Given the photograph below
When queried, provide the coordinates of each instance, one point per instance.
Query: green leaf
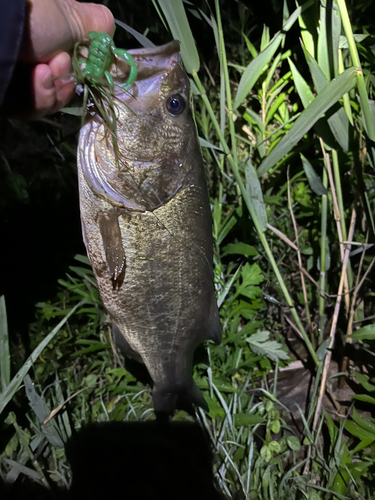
(363, 380)
(322, 350)
(214, 407)
(16, 381)
(274, 446)
(251, 275)
(307, 97)
(358, 431)
(328, 39)
(223, 386)
(271, 349)
(205, 144)
(365, 333)
(22, 469)
(229, 222)
(255, 69)
(275, 426)
(4, 346)
(37, 405)
(266, 453)
(365, 398)
(366, 424)
(178, 23)
(227, 287)
(265, 40)
(240, 249)
(243, 419)
(258, 65)
(83, 259)
(238, 454)
(254, 191)
(293, 443)
(144, 41)
(338, 121)
(302, 86)
(314, 180)
(332, 92)
(250, 47)
(332, 429)
(308, 22)
(344, 41)
(362, 445)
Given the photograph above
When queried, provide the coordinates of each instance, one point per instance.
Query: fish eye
(175, 104)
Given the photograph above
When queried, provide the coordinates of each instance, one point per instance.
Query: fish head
(158, 118)
(155, 132)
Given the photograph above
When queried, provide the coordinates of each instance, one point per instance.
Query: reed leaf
(258, 65)
(144, 41)
(313, 178)
(254, 190)
(307, 97)
(178, 23)
(4, 346)
(324, 101)
(338, 121)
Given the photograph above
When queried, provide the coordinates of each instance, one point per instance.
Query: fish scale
(147, 226)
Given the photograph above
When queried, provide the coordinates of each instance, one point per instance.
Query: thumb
(93, 17)
(54, 26)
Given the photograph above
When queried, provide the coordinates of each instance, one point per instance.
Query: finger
(43, 88)
(55, 26)
(61, 68)
(52, 84)
(93, 17)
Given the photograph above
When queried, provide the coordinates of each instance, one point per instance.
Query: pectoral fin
(114, 250)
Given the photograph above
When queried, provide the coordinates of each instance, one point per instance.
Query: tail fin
(166, 400)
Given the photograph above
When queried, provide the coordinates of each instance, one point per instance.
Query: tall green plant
(331, 121)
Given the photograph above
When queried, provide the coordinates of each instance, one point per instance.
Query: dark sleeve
(12, 20)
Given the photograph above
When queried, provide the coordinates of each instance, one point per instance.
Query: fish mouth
(164, 57)
(154, 60)
(153, 64)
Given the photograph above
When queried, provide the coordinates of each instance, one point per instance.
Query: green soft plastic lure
(95, 82)
(101, 50)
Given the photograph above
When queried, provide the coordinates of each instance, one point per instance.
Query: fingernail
(48, 82)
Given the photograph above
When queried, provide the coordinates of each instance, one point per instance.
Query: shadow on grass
(133, 460)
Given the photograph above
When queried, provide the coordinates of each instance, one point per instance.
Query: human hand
(52, 28)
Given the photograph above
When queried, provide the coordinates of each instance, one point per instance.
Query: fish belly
(165, 306)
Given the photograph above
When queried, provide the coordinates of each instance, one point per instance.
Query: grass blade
(329, 96)
(257, 65)
(144, 41)
(314, 180)
(4, 346)
(255, 69)
(14, 385)
(307, 97)
(308, 22)
(227, 287)
(255, 194)
(338, 121)
(369, 125)
(328, 40)
(178, 23)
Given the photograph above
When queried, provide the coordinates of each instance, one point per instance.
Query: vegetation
(286, 117)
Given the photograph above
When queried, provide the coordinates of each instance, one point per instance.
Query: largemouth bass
(147, 224)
